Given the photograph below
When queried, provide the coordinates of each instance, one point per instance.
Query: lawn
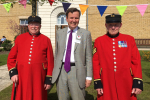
(3, 59)
(91, 93)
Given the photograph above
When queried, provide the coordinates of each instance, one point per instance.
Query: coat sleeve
(89, 56)
(11, 60)
(50, 60)
(96, 67)
(136, 66)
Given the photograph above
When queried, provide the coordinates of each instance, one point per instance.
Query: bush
(15, 37)
(7, 45)
(145, 55)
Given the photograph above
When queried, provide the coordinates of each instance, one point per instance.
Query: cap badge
(33, 16)
(112, 15)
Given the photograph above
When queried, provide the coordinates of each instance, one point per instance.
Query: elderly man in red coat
(116, 64)
(30, 63)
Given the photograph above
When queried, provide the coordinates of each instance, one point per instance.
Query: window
(61, 19)
(23, 22)
(23, 25)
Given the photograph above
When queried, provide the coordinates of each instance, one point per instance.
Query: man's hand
(88, 83)
(136, 91)
(99, 91)
(47, 86)
(15, 78)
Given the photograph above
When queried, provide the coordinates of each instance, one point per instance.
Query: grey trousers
(68, 81)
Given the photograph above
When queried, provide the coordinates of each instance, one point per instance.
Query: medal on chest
(122, 44)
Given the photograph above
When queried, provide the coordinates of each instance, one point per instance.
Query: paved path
(4, 77)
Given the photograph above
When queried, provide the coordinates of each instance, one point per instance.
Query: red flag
(51, 2)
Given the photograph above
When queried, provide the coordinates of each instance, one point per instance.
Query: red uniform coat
(32, 59)
(116, 63)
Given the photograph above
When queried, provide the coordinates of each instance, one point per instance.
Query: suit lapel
(78, 38)
(63, 37)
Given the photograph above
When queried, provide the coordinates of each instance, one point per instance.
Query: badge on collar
(78, 37)
(122, 44)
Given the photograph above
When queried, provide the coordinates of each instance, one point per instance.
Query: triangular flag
(66, 6)
(142, 8)
(83, 8)
(101, 9)
(121, 9)
(51, 2)
(7, 6)
(23, 2)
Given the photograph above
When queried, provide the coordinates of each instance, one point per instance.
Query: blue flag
(101, 9)
(66, 6)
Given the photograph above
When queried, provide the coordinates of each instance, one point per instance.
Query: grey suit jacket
(82, 54)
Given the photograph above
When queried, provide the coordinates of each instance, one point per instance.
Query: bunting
(121, 9)
(23, 2)
(101, 9)
(83, 8)
(7, 6)
(142, 8)
(66, 6)
(51, 2)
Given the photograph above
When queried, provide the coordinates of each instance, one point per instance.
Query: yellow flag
(7, 6)
(83, 8)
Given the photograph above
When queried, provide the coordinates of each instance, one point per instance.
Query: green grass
(3, 59)
(6, 93)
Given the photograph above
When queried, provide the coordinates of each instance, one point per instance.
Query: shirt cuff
(88, 78)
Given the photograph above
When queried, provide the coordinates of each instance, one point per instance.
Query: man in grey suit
(73, 59)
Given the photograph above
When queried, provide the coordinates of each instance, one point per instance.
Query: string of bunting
(101, 8)
(83, 7)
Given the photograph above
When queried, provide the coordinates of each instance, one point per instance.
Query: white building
(53, 18)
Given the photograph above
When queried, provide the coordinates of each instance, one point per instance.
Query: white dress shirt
(74, 34)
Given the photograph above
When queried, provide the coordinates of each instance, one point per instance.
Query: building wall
(49, 17)
(16, 13)
(132, 21)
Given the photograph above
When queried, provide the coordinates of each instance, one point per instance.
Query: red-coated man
(30, 63)
(116, 64)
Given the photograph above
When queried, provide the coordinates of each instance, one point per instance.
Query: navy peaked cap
(113, 18)
(34, 19)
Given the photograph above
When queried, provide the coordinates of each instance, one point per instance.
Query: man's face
(73, 20)
(113, 28)
(34, 27)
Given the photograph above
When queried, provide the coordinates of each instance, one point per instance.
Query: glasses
(34, 24)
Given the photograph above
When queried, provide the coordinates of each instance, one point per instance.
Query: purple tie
(68, 53)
